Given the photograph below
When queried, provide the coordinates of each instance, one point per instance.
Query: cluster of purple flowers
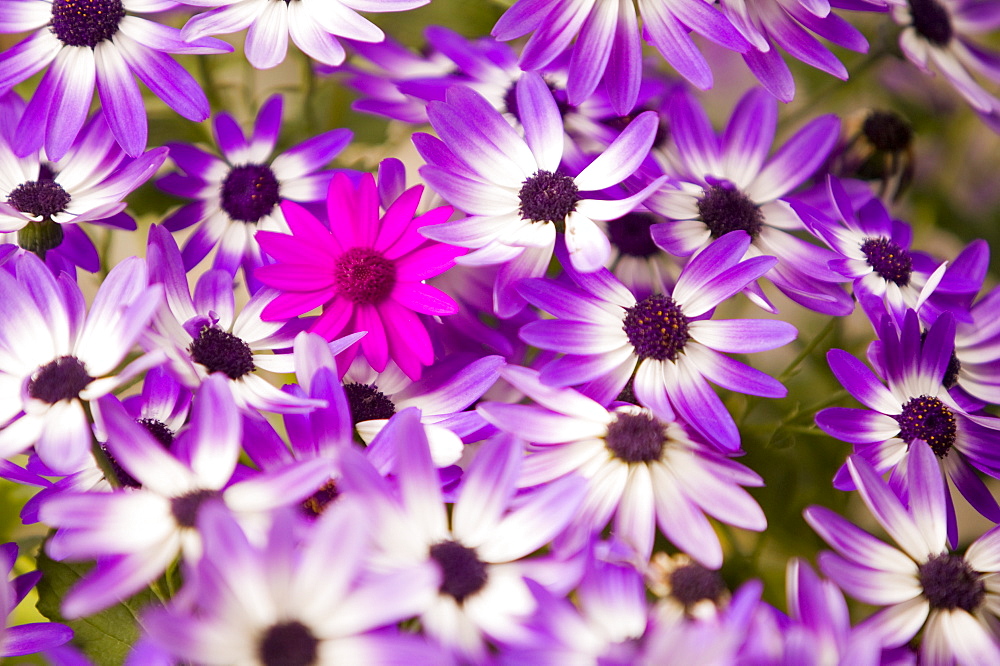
(497, 416)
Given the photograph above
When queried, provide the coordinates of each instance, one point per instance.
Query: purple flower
(96, 44)
(607, 41)
(668, 341)
(313, 26)
(725, 183)
(644, 470)
(480, 546)
(135, 534)
(240, 194)
(42, 200)
(512, 187)
(25, 638)
(936, 36)
(874, 251)
(914, 411)
(56, 357)
(293, 601)
(921, 584)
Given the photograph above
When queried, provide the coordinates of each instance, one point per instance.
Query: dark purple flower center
(61, 379)
(692, 583)
(887, 131)
(86, 22)
(185, 508)
(928, 419)
(41, 198)
(630, 234)
(725, 208)
(636, 438)
(656, 327)
(220, 351)
(931, 20)
(548, 197)
(249, 192)
(364, 276)
(367, 403)
(159, 430)
(949, 582)
(891, 262)
(314, 505)
(462, 572)
(289, 644)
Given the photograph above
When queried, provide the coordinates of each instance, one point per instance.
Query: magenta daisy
(367, 273)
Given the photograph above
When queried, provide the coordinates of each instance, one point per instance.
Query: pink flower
(365, 271)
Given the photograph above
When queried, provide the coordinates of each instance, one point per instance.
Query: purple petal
(591, 51)
(857, 426)
(536, 522)
(796, 160)
(854, 543)
(748, 136)
(872, 586)
(486, 490)
(543, 126)
(623, 156)
(74, 88)
(742, 335)
(890, 513)
(731, 374)
(861, 382)
(168, 80)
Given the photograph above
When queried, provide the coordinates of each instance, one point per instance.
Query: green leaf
(107, 637)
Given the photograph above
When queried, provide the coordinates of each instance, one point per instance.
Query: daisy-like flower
(668, 341)
(366, 271)
(241, 193)
(480, 544)
(96, 43)
(314, 25)
(874, 251)
(644, 470)
(25, 638)
(56, 358)
(607, 41)
(953, 597)
(936, 36)
(513, 190)
(43, 200)
(723, 183)
(914, 411)
(204, 335)
(280, 604)
(134, 534)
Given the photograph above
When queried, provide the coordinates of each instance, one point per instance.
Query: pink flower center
(364, 276)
